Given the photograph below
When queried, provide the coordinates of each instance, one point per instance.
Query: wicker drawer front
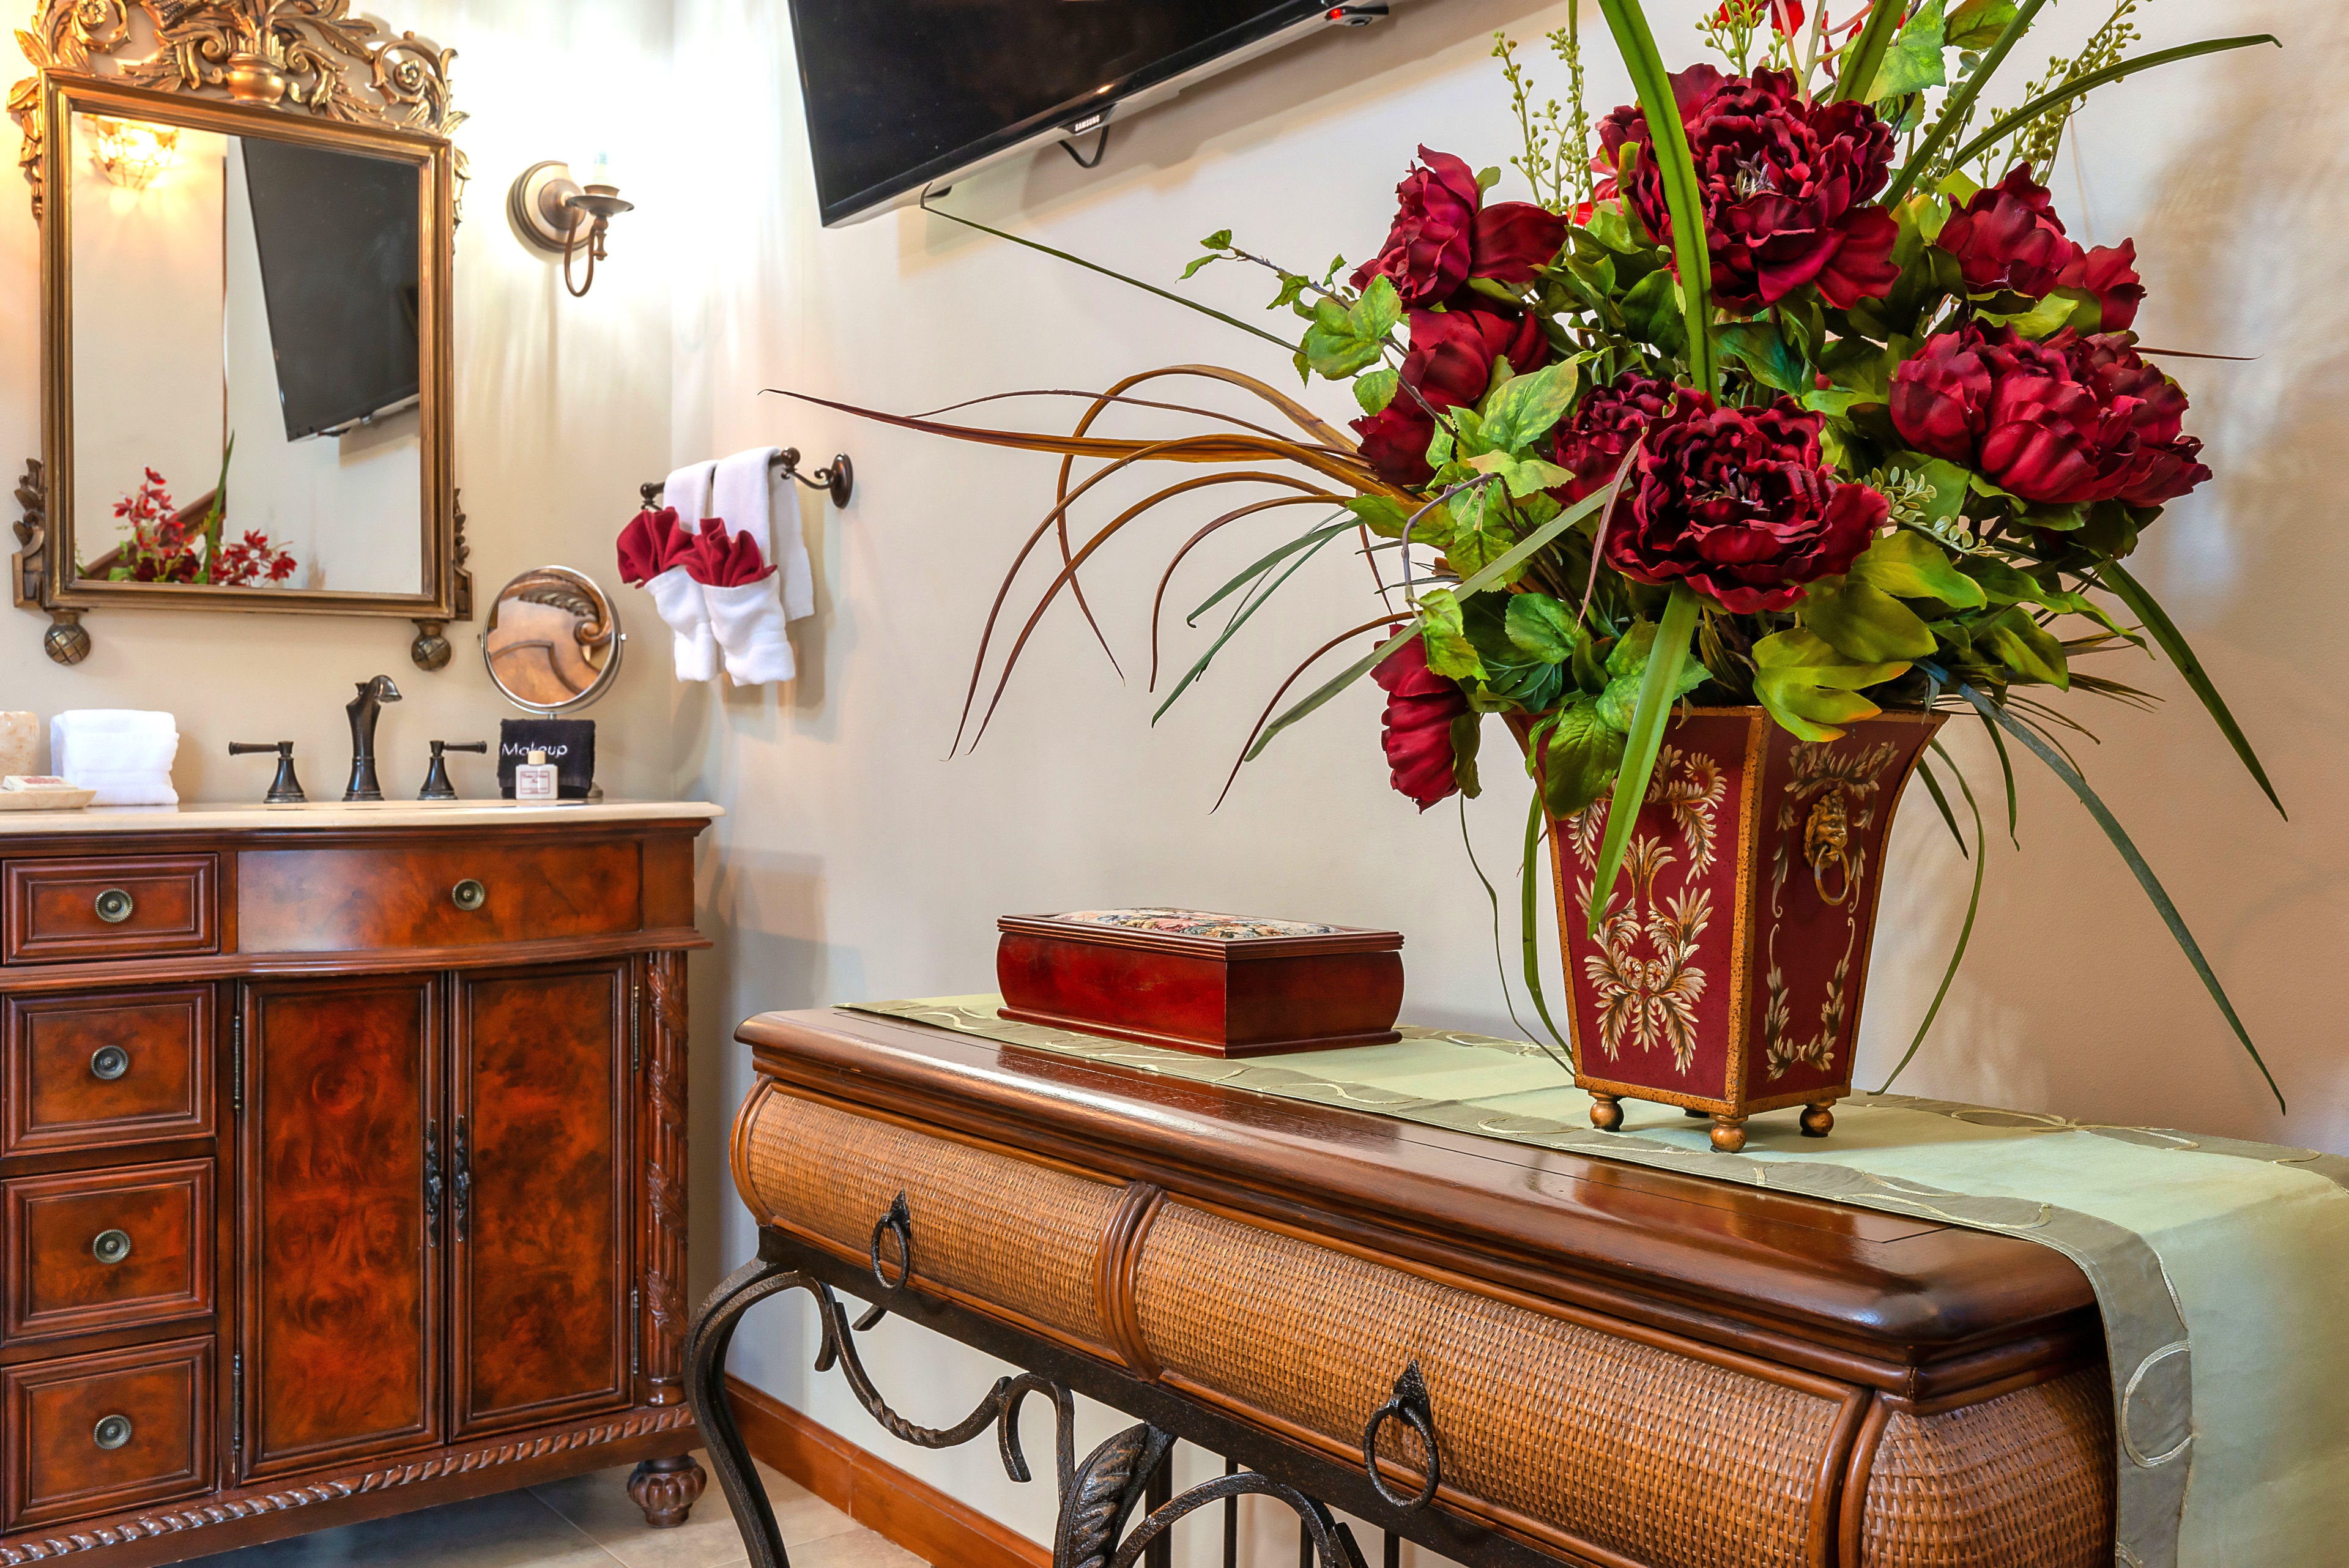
(2024, 1480)
(1661, 1458)
(1003, 1232)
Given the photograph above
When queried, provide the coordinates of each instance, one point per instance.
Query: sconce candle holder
(553, 212)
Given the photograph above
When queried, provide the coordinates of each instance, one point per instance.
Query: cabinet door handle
(108, 1063)
(433, 1185)
(110, 1247)
(111, 1432)
(114, 905)
(468, 894)
(464, 1181)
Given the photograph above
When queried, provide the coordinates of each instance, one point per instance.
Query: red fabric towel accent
(719, 560)
(651, 543)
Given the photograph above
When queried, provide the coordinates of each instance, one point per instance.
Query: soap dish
(21, 793)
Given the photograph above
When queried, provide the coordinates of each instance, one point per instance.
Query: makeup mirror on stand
(553, 642)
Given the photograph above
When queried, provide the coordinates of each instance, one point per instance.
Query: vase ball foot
(667, 1490)
(1606, 1112)
(1818, 1120)
(1729, 1134)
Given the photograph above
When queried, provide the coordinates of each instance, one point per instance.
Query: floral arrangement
(1788, 387)
(166, 546)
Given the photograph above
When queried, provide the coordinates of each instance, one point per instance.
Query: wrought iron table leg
(705, 1389)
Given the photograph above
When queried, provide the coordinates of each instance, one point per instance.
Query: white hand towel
(748, 620)
(124, 754)
(758, 499)
(677, 598)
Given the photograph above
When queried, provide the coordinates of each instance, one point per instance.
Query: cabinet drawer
(108, 1249)
(102, 1069)
(93, 1434)
(345, 900)
(54, 911)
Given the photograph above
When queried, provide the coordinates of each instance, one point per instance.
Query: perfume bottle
(534, 780)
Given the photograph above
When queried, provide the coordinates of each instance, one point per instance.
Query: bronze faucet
(365, 710)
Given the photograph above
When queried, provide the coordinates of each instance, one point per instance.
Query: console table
(1512, 1355)
(342, 1150)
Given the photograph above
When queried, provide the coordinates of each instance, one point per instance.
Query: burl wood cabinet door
(538, 1324)
(340, 1257)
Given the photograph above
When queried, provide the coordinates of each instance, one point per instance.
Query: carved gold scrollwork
(300, 56)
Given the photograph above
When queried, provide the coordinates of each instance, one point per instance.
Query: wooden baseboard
(912, 1513)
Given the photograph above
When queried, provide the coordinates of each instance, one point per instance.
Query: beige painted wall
(862, 863)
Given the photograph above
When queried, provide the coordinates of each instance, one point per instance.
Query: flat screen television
(905, 95)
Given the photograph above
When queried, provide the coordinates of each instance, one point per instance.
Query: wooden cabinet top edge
(159, 839)
(28, 980)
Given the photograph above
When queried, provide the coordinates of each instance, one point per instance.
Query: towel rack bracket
(839, 478)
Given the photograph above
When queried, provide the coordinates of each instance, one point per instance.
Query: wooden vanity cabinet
(298, 1232)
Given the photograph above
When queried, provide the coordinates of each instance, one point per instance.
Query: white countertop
(214, 815)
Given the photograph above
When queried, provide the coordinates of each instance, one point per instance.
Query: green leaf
(1866, 55)
(1524, 408)
(2136, 864)
(1647, 737)
(1269, 559)
(1221, 240)
(1468, 735)
(1482, 529)
(1976, 24)
(1488, 178)
(1332, 348)
(2067, 91)
(1950, 486)
(1809, 688)
(1957, 104)
(1379, 310)
(1375, 391)
(1196, 265)
(1757, 346)
(1651, 309)
(1304, 548)
(2025, 646)
(1449, 650)
(1941, 802)
(1907, 565)
(1627, 666)
(2155, 621)
(1529, 906)
(1522, 476)
(1973, 905)
(1863, 622)
(1580, 757)
(1380, 515)
(2049, 316)
(1692, 257)
(1913, 63)
(1543, 628)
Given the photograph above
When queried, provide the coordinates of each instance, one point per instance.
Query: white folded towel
(749, 619)
(124, 754)
(676, 598)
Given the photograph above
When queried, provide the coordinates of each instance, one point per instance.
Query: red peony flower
(1444, 234)
(1605, 425)
(2110, 275)
(1421, 707)
(2007, 237)
(2065, 422)
(1738, 504)
(1786, 186)
(1451, 361)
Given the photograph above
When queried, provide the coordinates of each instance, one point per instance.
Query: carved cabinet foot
(667, 1490)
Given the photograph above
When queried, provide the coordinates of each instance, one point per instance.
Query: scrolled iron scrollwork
(1411, 1405)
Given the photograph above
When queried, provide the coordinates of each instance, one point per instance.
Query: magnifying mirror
(553, 642)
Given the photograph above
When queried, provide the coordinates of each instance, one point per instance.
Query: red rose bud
(2111, 276)
(1453, 353)
(1738, 504)
(1427, 251)
(1512, 241)
(1605, 425)
(1785, 185)
(1940, 395)
(1421, 707)
(2007, 237)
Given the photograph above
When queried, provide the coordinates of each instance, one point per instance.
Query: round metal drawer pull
(114, 905)
(108, 1063)
(113, 1432)
(111, 1246)
(470, 895)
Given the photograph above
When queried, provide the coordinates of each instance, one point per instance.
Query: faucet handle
(284, 789)
(436, 778)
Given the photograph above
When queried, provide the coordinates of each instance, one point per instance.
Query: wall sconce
(553, 213)
(131, 152)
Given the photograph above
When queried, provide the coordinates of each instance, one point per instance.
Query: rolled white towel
(677, 600)
(748, 620)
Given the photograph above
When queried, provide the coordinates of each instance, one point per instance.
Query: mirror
(247, 324)
(553, 640)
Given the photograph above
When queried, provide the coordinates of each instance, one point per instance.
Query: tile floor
(586, 1521)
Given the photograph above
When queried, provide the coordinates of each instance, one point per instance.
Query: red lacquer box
(1220, 985)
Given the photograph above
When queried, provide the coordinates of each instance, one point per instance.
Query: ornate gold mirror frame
(292, 71)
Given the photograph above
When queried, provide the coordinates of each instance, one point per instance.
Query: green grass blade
(1961, 103)
(1265, 563)
(1529, 912)
(1883, 22)
(2143, 605)
(1933, 788)
(1974, 907)
(1655, 706)
(2137, 865)
(2006, 768)
(1247, 611)
(1668, 140)
(2112, 73)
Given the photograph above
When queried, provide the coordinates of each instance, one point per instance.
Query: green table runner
(2217, 1263)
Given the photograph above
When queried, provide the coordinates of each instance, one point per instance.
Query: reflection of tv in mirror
(338, 243)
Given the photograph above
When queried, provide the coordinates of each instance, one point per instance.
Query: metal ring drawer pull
(1410, 1405)
(113, 1432)
(115, 906)
(899, 1220)
(108, 1063)
(468, 894)
(110, 1246)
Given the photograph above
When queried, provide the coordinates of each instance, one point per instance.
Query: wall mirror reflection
(246, 323)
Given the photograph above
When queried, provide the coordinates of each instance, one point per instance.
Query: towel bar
(840, 479)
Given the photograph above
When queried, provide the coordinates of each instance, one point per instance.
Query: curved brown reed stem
(1157, 603)
(1310, 661)
(1107, 398)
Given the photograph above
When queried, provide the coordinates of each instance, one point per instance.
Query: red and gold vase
(1727, 975)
